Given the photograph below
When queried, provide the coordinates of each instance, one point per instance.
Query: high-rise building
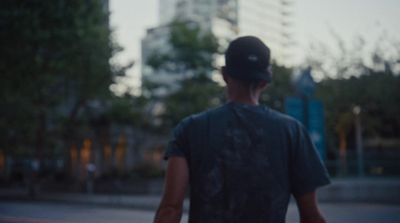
(226, 19)
(167, 9)
(268, 20)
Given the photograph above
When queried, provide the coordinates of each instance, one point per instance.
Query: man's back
(244, 162)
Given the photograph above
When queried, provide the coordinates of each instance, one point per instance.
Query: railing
(375, 163)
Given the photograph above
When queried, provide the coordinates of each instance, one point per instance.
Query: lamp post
(358, 139)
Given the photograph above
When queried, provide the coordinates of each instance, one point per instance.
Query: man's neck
(239, 93)
(243, 99)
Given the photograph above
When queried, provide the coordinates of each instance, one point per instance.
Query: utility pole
(358, 140)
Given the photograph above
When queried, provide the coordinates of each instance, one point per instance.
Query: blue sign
(305, 84)
(295, 108)
(311, 114)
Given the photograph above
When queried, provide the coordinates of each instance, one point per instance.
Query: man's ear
(263, 84)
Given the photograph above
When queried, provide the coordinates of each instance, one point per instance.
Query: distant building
(226, 19)
(167, 10)
(270, 21)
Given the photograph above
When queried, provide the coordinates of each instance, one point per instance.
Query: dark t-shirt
(244, 162)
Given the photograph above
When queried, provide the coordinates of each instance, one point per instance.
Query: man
(242, 160)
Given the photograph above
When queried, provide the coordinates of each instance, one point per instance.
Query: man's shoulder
(282, 118)
(222, 112)
(285, 122)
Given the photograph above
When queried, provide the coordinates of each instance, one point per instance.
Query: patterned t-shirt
(244, 162)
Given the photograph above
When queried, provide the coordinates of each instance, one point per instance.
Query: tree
(354, 77)
(193, 51)
(192, 56)
(280, 87)
(376, 93)
(55, 59)
(195, 95)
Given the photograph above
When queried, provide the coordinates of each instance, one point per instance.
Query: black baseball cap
(248, 58)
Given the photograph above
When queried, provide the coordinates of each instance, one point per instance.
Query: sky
(313, 21)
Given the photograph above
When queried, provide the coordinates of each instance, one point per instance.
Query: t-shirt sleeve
(307, 172)
(178, 144)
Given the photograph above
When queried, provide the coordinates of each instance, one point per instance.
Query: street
(44, 212)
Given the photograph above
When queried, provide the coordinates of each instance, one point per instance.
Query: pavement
(143, 202)
(377, 191)
(50, 212)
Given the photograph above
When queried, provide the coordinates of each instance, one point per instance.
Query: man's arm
(308, 208)
(176, 181)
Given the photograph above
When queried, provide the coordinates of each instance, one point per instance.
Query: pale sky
(313, 21)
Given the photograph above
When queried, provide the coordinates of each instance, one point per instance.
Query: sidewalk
(341, 190)
(145, 202)
(372, 190)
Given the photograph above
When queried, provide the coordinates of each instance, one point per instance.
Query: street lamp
(358, 139)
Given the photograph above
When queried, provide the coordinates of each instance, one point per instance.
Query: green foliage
(357, 76)
(192, 50)
(55, 58)
(275, 94)
(377, 93)
(196, 95)
(127, 110)
(191, 57)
